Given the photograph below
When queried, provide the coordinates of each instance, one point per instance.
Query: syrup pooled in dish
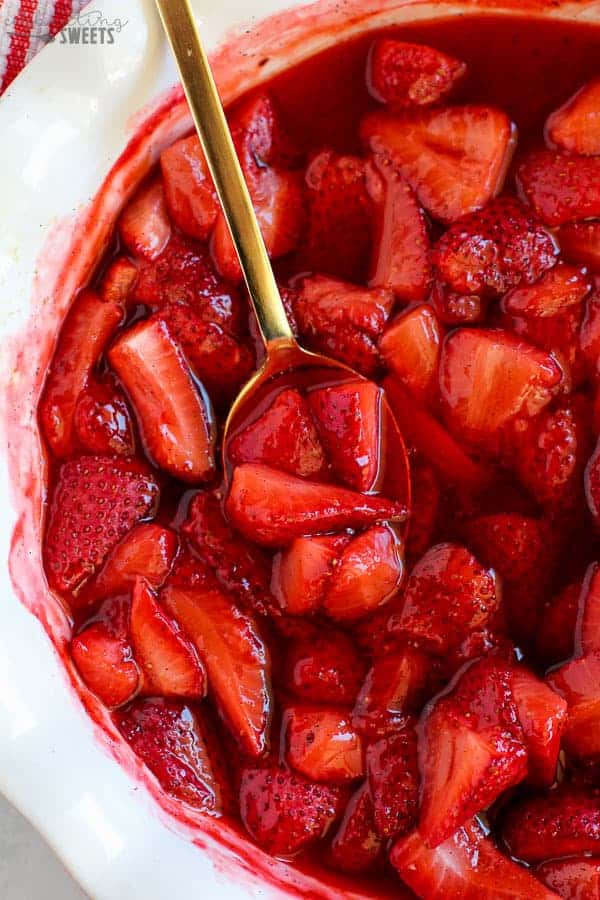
(413, 705)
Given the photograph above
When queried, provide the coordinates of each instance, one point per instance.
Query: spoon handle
(215, 137)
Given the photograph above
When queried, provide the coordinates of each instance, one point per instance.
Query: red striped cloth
(25, 26)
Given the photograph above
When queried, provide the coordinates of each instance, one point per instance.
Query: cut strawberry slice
(489, 379)
(587, 635)
(105, 662)
(455, 158)
(173, 417)
(189, 191)
(563, 822)
(348, 418)
(393, 776)
(118, 281)
(560, 187)
(575, 127)
(85, 334)
(96, 501)
(404, 75)
(465, 867)
(144, 226)
(577, 878)
(236, 660)
(327, 669)
(272, 508)
(453, 308)
(301, 572)
(402, 258)
(357, 847)
(102, 421)
(284, 812)
(558, 335)
(170, 738)
(322, 745)
(542, 714)
(592, 484)
(368, 574)
(562, 287)
(580, 243)
(284, 437)
(578, 682)
(167, 658)
(589, 335)
(411, 350)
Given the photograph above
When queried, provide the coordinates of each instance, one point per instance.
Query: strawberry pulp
(276, 644)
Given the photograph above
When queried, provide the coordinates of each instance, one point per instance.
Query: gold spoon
(284, 355)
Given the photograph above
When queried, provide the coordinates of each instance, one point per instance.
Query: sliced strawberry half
(171, 739)
(272, 508)
(105, 662)
(301, 572)
(235, 657)
(580, 243)
(577, 878)
(560, 187)
(144, 225)
(393, 776)
(467, 866)
(348, 419)
(327, 669)
(411, 349)
(454, 158)
(542, 714)
(322, 745)
(405, 75)
(357, 846)
(188, 188)
(284, 437)
(172, 415)
(575, 126)
(560, 288)
(119, 281)
(95, 502)
(578, 682)
(102, 421)
(88, 328)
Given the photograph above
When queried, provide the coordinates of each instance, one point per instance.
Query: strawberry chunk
(144, 225)
(575, 126)
(577, 878)
(393, 775)
(560, 187)
(494, 250)
(283, 812)
(348, 418)
(95, 502)
(588, 622)
(301, 572)
(167, 658)
(556, 635)
(592, 484)
(368, 574)
(235, 657)
(402, 257)
(542, 714)
(578, 682)
(589, 335)
(405, 75)
(454, 308)
(467, 866)
(451, 603)
(563, 822)
(489, 379)
(322, 745)
(411, 350)
(343, 321)
(327, 669)
(560, 288)
(172, 415)
(272, 508)
(284, 437)
(88, 328)
(580, 243)
(171, 739)
(357, 847)
(188, 188)
(119, 281)
(558, 335)
(105, 662)
(454, 158)
(102, 421)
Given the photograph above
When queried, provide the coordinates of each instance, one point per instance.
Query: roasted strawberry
(144, 226)
(494, 250)
(393, 775)
(102, 421)
(272, 508)
(188, 188)
(241, 568)
(542, 714)
(357, 846)
(405, 75)
(450, 602)
(343, 321)
(592, 484)
(560, 187)
(556, 634)
(457, 309)
(260, 134)
(171, 739)
(560, 288)
(454, 158)
(348, 419)
(168, 660)
(88, 328)
(368, 573)
(95, 502)
(575, 127)
(173, 417)
(580, 243)
(236, 660)
(283, 811)
(411, 350)
(563, 822)
(425, 493)
(326, 669)
(118, 281)
(301, 572)
(105, 662)
(467, 866)
(577, 878)
(284, 437)
(321, 744)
